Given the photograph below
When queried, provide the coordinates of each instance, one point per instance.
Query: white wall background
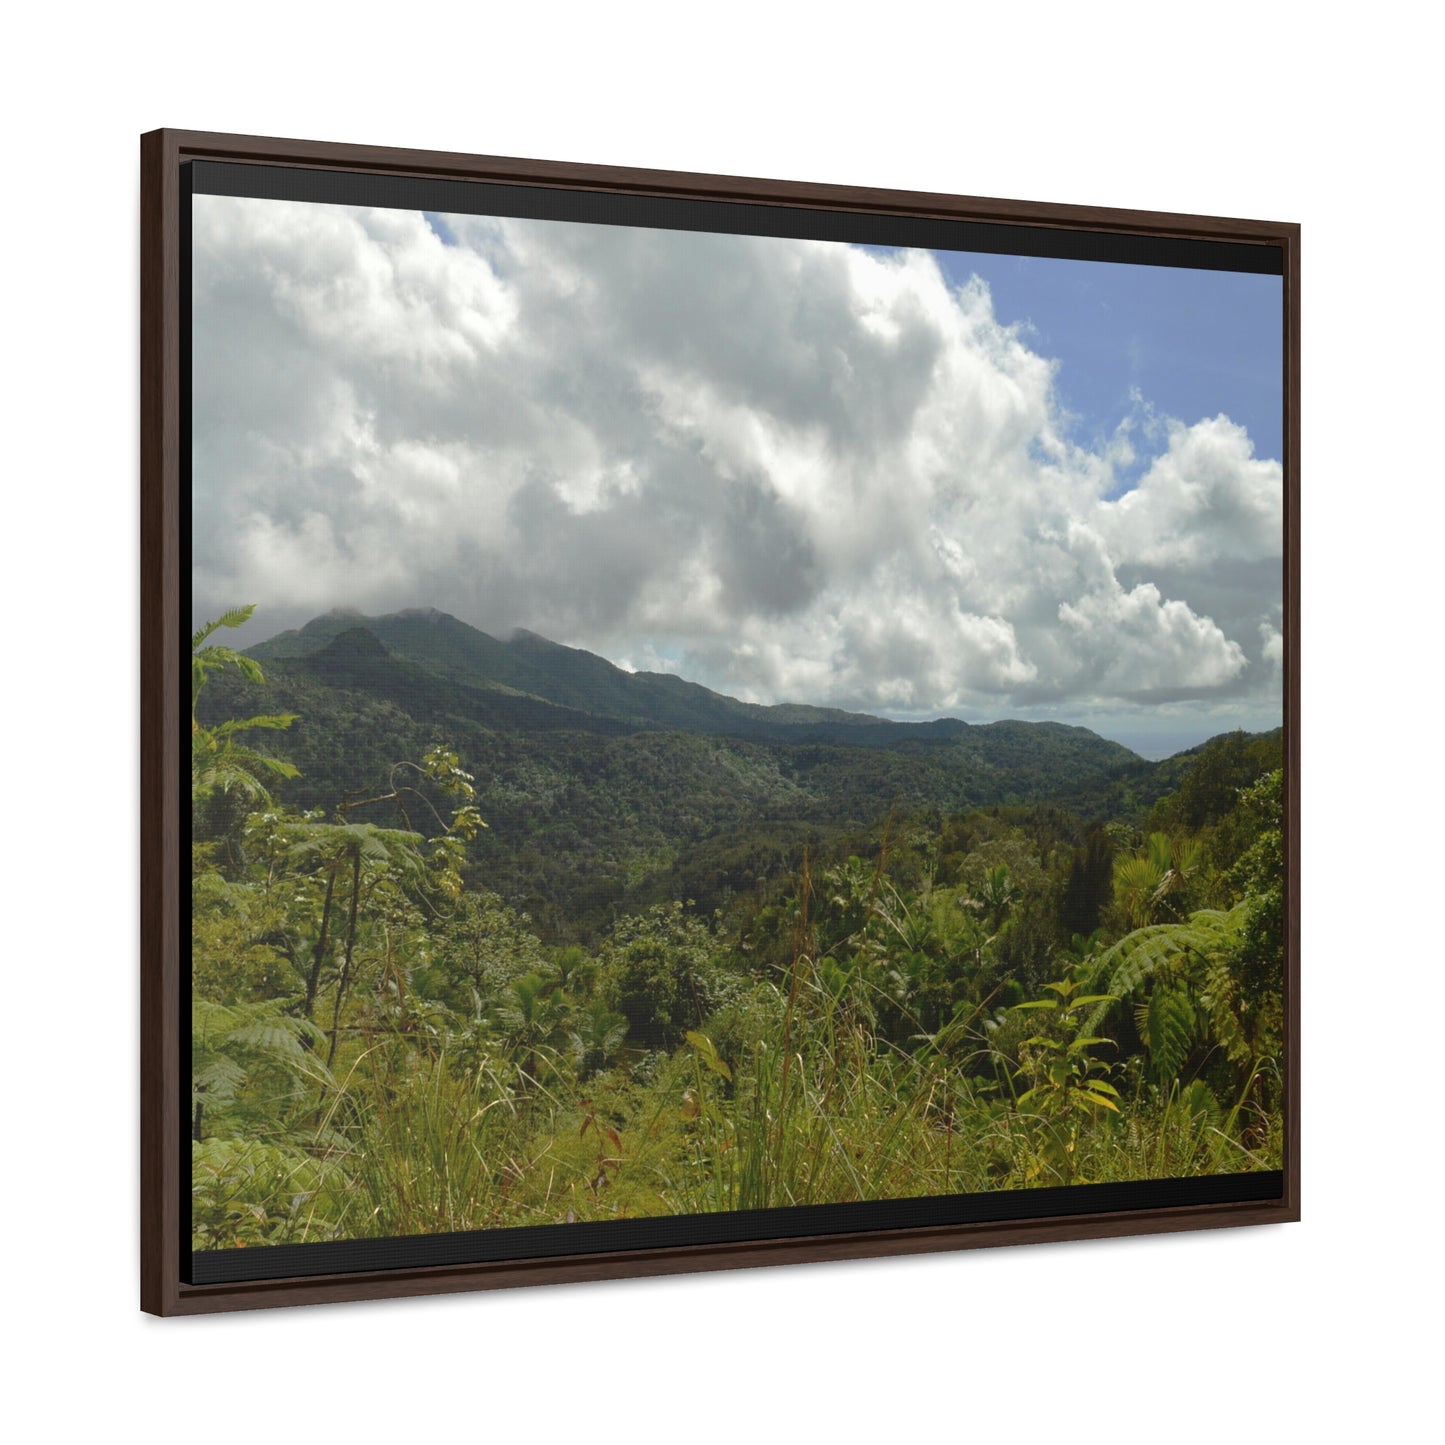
(1234, 109)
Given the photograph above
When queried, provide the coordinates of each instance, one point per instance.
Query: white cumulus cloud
(796, 470)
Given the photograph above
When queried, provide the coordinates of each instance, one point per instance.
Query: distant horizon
(1152, 746)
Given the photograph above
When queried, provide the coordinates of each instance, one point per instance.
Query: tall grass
(439, 1146)
(795, 1097)
(846, 1117)
(823, 1111)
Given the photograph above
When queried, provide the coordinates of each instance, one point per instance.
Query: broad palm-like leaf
(1153, 883)
(596, 1035)
(996, 896)
(531, 1011)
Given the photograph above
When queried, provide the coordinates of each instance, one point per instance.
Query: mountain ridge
(581, 682)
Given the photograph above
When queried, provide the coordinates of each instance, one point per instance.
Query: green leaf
(265, 720)
(233, 617)
(708, 1051)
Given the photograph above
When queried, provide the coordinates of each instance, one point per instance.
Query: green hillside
(598, 783)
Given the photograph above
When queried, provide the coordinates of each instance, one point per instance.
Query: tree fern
(249, 1048)
(1187, 969)
(1137, 957)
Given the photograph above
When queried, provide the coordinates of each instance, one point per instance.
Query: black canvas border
(674, 213)
(286, 1261)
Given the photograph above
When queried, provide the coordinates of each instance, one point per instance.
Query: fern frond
(258, 1031)
(232, 617)
(235, 772)
(261, 720)
(1222, 1002)
(217, 1081)
(278, 1035)
(1171, 1027)
(1139, 955)
(235, 616)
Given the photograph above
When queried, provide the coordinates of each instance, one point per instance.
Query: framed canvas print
(724, 722)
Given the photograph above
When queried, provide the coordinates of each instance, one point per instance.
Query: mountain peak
(327, 621)
(425, 614)
(354, 642)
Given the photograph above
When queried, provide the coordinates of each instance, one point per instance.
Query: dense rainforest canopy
(493, 933)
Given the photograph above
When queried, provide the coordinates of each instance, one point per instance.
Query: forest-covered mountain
(605, 790)
(412, 656)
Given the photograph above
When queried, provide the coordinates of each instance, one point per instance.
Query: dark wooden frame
(162, 1227)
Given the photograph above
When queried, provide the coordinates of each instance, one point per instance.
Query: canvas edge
(162, 152)
(159, 723)
(698, 1259)
(1291, 243)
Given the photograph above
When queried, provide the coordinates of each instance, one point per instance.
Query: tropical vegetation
(466, 955)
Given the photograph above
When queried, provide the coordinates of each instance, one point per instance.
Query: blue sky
(1192, 343)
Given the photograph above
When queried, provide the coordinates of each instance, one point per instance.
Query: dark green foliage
(686, 968)
(250, 1063)
(658, 971)
(245, 1192)
(600, 785)
(1212, 779)
(1169, 1025)
(597, 1033)
(479, 948)
(1090, 884)
(1259, 874)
